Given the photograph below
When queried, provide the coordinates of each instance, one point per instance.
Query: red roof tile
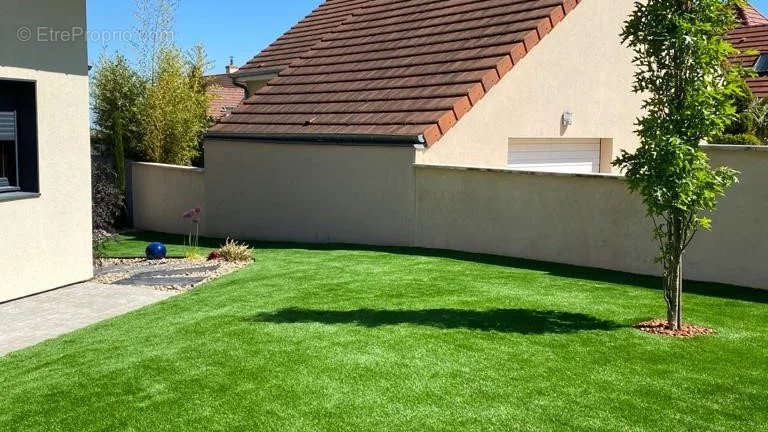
(389, 67)
(226, 95)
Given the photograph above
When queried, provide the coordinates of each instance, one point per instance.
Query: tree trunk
(673, 275)
(674, 294)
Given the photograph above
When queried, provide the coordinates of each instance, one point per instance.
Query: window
(18, 137)
(9, 180)
(761, 65)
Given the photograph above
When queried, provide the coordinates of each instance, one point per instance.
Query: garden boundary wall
(378, 196)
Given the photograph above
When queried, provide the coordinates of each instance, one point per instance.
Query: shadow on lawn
(523, 321)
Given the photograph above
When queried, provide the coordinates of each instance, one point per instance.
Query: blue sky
(761, 5)
(239, 28)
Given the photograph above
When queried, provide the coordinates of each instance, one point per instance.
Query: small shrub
(192, 254)
(107, 205)
(744, 139)
(233, 251)
(759, 110)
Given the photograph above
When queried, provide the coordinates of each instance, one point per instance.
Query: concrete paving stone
(31, 320)
(141, 280)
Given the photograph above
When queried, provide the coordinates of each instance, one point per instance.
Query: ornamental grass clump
(232, 251)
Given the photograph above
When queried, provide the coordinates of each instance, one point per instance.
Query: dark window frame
(761, 64)
(20, 96)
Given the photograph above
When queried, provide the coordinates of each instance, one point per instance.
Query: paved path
(29, 321)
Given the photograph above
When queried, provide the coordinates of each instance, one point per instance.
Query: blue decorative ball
(156, 251)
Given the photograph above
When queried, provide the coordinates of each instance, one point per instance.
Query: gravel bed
(660, 327)
(165, 274)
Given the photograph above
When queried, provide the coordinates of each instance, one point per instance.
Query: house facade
(532, 84)
(226, 94)
(365, 91)
(45, 202)
(343, 105)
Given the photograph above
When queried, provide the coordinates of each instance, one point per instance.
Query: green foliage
(106, 204)
(745, 139)
(743, 123)
(175, 115)
(749, 122)
(759, 111)
(107, 198)
(691, 88)
(157, 110)
(683, 68)
(118, 92)
(118, 152)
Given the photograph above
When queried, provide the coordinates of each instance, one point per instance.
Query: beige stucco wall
(736, 250)
(580, 66)
(44, 35)
(309, 193)
(375, 195)
(46, 241)
(163, 193)
(582, 220)
(591, 220)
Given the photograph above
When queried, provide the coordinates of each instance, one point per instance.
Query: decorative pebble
(166, 274)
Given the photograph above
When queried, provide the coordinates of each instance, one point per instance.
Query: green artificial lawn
(331, 338)
(133, 245)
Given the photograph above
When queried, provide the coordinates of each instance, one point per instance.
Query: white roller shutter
(7, 126)
(555, 155)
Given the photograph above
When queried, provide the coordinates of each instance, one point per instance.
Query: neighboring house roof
(226, 95)
(751, 38)
(302, 37)
(388, 70)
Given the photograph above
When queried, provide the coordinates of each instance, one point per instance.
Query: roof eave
(328, 139)
(266, 73)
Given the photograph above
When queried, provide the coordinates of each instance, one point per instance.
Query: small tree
(154, 32)
(683, 70)
(175, 114)
(117, 94)
(158, 110)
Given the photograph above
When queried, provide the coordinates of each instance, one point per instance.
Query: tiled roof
(226, 95)
(303, 36)
(407, 68)
(749, 16)
(753, 37)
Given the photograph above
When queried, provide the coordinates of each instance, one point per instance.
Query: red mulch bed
(659, 327)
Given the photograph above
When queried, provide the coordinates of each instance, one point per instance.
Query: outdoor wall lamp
(567, 118)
